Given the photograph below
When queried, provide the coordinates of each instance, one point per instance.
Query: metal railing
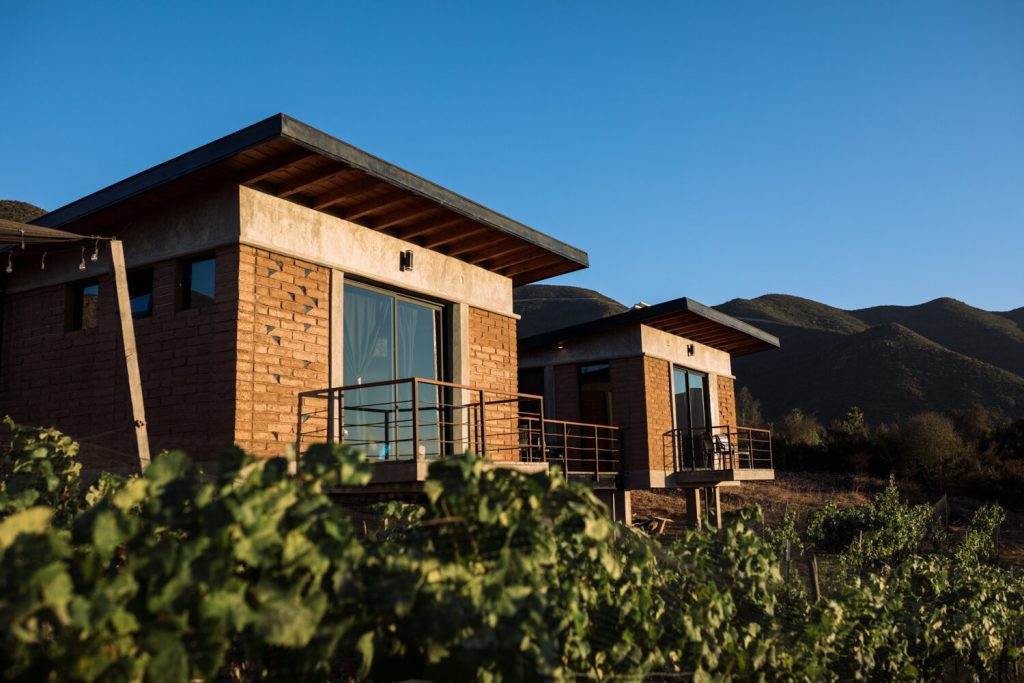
(579, 448)
(717, 448)
(424, 419)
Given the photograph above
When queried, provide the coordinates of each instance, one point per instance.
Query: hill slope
(23, 212)
(549, 307)
(892, 361)
(942, 355)
(987, 336)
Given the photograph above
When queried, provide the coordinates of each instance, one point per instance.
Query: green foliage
(873, 536)
(253, 573)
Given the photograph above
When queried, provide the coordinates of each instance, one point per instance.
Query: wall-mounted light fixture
(689, 350)
(405, 260)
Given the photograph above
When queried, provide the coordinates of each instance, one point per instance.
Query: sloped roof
(683, 317)
(290, 159)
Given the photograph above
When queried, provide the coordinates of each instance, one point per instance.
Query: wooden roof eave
(299, 176)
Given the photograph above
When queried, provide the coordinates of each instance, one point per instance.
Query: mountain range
(891, 361)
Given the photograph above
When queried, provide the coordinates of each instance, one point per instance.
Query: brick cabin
(662, 375)
(244, 257)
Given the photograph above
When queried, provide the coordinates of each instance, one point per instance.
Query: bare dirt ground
(803, 492)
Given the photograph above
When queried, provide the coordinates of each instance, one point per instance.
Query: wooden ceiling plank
(276, 164)
(533, 262)
(415, 211)
(426, 227)
(491, 257)
(339, 194)
(442, 240)
(533, 275)
(470, 246)
(374, 204)
(312, 178)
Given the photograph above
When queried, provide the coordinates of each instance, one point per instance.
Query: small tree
(930, 448)
(748, 409)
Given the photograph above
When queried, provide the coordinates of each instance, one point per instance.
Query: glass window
(199, 282)
(690, 391)
(140, 292)
(390, 337)
(85, 299)
(596, 393)
(690, 400)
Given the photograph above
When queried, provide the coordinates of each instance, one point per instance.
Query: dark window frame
(134, 278)
(75, 313)
(606, 389)
(185, 301)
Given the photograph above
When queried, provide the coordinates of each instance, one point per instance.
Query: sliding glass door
(389, 337)
(690, 401)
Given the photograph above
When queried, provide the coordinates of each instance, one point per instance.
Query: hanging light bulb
(22, 239)
(10, 264)
(95, 252)
(81, 264)
(42, 262)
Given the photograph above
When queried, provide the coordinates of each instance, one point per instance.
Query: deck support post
(131, 356)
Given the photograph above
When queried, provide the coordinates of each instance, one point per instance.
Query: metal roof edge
(319, 141)
(168, 171)
(282, 125)
(638, 316)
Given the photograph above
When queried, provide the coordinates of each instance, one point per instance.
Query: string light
(81, 264)
(10, 264)
(95, 252)
(22, 239)
(42, 262)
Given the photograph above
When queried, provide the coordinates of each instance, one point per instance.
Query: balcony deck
(404, 425)
(714, 455)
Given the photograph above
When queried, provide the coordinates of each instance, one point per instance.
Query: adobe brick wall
(76, 380)
(726, 401)
(629, 408)
(493, 364)
(658, 393)
(283, 345)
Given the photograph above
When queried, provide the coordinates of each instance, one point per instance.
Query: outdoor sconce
(405, 260)
(689, 350)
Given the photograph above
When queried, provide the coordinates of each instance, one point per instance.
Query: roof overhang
(291, 160)
(682, 317)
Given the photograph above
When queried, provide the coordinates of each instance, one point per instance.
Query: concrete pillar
(694, 509)
(619, 504)
(714, 506)
(460, 374)
(623, 511)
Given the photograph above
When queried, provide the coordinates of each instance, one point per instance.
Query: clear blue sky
(856, 153)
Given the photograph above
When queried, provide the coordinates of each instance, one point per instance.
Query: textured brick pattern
(493, 365)
(726, 401)
(658, 389)
(629, 405)
(76, 380)
(283, 345)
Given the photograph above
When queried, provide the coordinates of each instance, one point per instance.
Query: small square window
(199, 282)
(140, 292)
(85, 306)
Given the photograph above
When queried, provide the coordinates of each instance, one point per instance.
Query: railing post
(543, 435)
(597, 454)
(298, 435)
(415, 420)
(330, 415)
(341, 416)
(565, 450)
(483, 426)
